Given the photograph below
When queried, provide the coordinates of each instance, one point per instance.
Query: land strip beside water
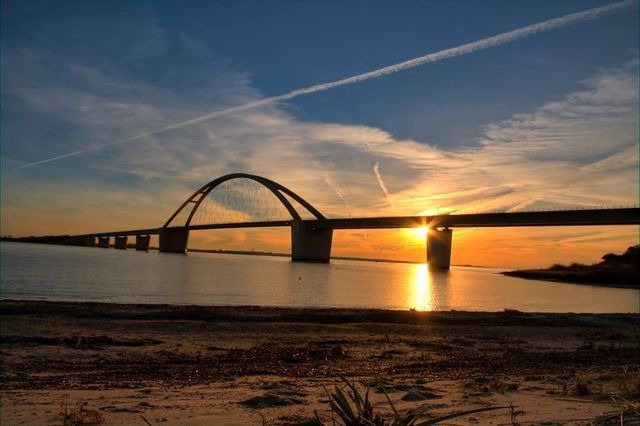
(238, 365)
(615, 270)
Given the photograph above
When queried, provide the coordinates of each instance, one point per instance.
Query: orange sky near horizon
(517, 247)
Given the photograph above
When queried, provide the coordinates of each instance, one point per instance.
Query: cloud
(578, 150)
(464, 49)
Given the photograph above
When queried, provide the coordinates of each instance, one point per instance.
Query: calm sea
(31, 271)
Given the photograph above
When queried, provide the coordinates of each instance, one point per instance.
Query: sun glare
(419, 233)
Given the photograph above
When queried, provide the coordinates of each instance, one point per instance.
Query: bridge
(219, 205)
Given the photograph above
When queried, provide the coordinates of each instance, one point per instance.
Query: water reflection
(421, 298)
(76, 273)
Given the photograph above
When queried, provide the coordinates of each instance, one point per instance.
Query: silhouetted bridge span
(311, 238)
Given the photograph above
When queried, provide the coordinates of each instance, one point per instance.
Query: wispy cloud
(464, 49)
(578, 150)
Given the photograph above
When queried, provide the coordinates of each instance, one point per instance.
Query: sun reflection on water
(420, 297)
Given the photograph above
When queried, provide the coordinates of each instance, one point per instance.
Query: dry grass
(629, 385)
(79, 415)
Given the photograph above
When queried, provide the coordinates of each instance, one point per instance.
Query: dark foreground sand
(143, 364)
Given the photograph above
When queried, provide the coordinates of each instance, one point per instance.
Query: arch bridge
(307, 243)
(219, 205)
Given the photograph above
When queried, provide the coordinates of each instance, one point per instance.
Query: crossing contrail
(383, 187)
(452, 52)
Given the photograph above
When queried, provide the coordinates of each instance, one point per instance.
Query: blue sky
(80, 73)
(285, 45)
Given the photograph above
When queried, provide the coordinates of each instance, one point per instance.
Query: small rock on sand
(419, 395)
(269, 400)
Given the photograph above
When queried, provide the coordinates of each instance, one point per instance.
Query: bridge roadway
(613, 216)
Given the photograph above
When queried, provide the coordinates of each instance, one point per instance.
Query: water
(31, 271)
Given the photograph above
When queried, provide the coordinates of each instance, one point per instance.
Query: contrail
(452, 52)
(383, 187)
(334, 185)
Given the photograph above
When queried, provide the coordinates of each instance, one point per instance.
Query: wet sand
(161, 364)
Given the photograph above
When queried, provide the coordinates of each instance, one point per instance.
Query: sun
(419, 233)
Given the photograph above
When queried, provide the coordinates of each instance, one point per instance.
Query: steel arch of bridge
(276, 189)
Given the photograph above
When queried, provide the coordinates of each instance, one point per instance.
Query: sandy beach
(161, 364)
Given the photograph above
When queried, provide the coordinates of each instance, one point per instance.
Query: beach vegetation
(351, 407)
(79, 415)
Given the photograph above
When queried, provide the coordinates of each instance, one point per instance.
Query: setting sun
(418, 233)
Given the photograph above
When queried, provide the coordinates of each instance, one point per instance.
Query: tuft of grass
(349, 407)
(629, 385)
(627, 414)
(581, 387)
(79, 415)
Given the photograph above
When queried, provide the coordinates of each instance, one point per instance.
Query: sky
(548, 120)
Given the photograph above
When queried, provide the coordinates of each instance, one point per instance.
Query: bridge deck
(626, 216)
(619, 216)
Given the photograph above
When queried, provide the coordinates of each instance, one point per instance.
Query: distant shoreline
(616, 270)
(546, 275)
(264, 253)
(268, 253)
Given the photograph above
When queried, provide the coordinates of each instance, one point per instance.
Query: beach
(198, 365)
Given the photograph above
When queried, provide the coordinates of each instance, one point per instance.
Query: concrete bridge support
(89, 241)
(309, 244)
(121, 242)
(142, 242)
(174, 240)
(439, 249)
(103, 242)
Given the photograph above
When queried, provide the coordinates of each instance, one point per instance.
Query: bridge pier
(439, 248)
(89, 241)
(309, 244)
(174, 240)
(121, 242)
(103, 242)
(142, 242)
